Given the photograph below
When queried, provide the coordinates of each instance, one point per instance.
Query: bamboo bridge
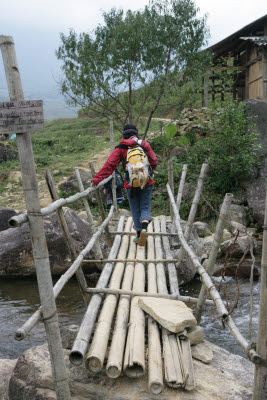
(130, 271)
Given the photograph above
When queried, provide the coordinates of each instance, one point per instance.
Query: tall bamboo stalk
(206, 280)
(173, 279)
(20, 219)
(96, 354)
(115, 358)
(193, 210)
(82, 340)
(223, 217)
(22, 332)
(260, 380)
(181, 187)
(155, 375)
(114, 191)
(39, 245)
(171, 181)
(99, 254)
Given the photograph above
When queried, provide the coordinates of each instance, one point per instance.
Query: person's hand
(93, 184)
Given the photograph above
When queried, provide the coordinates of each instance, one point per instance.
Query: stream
(20, 298)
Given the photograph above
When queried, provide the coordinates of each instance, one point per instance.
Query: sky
(35, 26)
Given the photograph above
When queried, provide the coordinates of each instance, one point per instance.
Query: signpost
(21, 116)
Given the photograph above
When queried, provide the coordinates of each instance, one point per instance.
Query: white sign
(21, 116)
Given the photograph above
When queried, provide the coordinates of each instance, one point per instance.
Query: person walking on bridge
(139, 161)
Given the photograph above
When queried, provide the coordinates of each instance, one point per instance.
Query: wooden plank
(21, 116)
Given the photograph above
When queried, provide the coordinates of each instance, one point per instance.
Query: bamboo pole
(173, 279)
(206, 280)
(134, 356)
(101, 207)
(99, 254)
(123, 292)
(66, 233)
(114, 190)
(193, 210)
(39, 245)
(20, 219)
(214, 252)
(81, 342)
(115, 358)
(163, 260)
(260, 379)
(155, 375)
(22, 332)
(181, 187)
(172, 368)
(171, 181)
(96, 354)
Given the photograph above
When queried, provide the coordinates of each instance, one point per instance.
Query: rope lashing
(47, 318)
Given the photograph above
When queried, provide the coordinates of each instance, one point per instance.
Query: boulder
(242, 272)
(226, 235)
(16, 249)
(238, 214)
(228, 377)
(195, 334)
(178, 152)
(71, 184)
(202, 352)
(6, 369)
(7, 154)
(256, 193)
(239, 247)
(68, 334)
(173, 315)
(202, 229)
(5, 214)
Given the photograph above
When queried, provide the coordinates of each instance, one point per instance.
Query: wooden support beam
(66, 233)
(181, 187)
(39, 245)
(114, 190)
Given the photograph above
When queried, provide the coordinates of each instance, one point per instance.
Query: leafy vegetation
(125, 68)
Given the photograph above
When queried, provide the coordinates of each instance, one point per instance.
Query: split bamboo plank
(133, 260)
(115, 358)
(96, 354)
(149, 233)
(39, 245)
(134, 357)
(22, 332)
(155, 375)
(189, 374)
(206, 280)
(21, 219)
(82, 340)
(214, 252)
(99, 254)
(193, 210)
(173, 279)
(66, 233)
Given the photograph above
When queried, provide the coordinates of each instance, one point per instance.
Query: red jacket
(118, 155)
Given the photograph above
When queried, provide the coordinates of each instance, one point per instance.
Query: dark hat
(130, 129)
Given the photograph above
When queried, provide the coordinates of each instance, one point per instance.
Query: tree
(125, 67)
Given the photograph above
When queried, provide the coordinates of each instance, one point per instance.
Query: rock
(228, 377)
(178, 152)
(243, 271)
(207, 243)
(124, 212)
(239, 247)
(83, 216)
(6, 369)
(195, 334)
(202, 228)
(5, 214)
(173, 315)
(256, 193)
(238, 214)
(16, 249)
(235, 226)
(71, 184)
(202, 352)
(68, 334)
(6, 153)
(226, 235)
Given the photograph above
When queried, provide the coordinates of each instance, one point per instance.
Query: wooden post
(114, 190)
(193, 210)
(223, 217)
(39, 246)
(181, 187)
(99, 254)
(66, 233)
(171, 182)
(101, 207)
(260, 380)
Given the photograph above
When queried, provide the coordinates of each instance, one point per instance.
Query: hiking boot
(142, 240)
(136, 239)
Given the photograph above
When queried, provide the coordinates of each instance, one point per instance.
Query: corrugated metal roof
(259, 40)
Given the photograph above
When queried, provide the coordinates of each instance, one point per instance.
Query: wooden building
(248, 50)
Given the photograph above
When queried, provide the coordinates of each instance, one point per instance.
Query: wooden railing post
(114, 189)
(39, 246)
